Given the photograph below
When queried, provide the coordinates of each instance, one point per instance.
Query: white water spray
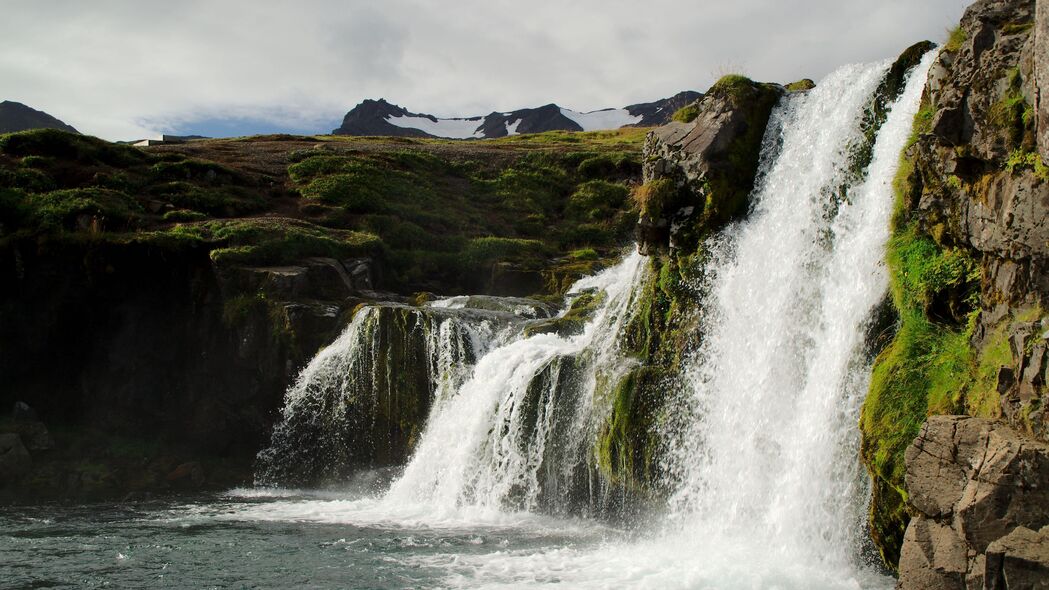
(520, 425)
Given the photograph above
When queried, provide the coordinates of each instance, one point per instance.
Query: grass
(687, 113)
(955, 38)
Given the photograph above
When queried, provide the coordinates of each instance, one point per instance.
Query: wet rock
(187, 476)
(14, 458)
(972, 484)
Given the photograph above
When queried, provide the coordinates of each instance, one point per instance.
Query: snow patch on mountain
(451, 128)
(603, 119)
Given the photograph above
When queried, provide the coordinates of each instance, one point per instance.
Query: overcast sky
(129, 69)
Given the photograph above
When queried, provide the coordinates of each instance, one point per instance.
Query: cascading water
(518, 433)
(391, 362)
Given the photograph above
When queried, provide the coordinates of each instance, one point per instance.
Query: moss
(657, 196)
(1021, 160)
(801, 85)
(929, 366)
(1017, 28)
(955, 38)
(735, 85)
(628, 444)
(584, 254)
(579, 312)
(237, 310)
(1012, 114)
(687, 113)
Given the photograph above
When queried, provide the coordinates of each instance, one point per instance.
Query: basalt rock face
(980, 492)
(974, 191)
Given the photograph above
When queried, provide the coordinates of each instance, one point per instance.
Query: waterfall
(767, 456)
(390, 364)
(517, 435)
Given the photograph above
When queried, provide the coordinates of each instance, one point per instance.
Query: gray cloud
(123, 69)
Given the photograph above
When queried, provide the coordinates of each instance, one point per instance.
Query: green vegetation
(1021, 160)
(1012, 114)
(266, 240)
(735, 85)
(627, 445)
(955, 38)
(798, 86)
(442, 214)
(687, 113)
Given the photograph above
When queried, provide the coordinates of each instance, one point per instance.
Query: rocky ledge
(980, 493)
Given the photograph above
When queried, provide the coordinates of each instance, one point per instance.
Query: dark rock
(972, 484)
(14, 459)
(187, 476)
(35, 436)
(23, 413)
(15, 116)
(658, 113)
(716, 156)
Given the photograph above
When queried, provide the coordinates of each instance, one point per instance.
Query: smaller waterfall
(519, 433)
(359, 400)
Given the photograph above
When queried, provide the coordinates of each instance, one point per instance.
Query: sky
(129, 69)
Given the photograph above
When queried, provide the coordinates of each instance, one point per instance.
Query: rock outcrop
(698, 175)
(980, 491)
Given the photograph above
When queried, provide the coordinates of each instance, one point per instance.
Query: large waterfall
(762, 462)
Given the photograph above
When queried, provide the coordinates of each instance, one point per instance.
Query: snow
(511, 128)
(601, 120)
(450, 128)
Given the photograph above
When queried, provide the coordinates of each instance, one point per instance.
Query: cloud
(127, 69)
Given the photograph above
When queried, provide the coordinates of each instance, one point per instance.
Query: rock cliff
(968, 263)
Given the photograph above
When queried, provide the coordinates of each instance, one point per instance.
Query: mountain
(15, 116)
(378, 117)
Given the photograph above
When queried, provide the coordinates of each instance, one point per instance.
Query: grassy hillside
(441, 214)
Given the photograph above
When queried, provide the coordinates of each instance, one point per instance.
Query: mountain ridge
(15, 116)
(380, 117)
